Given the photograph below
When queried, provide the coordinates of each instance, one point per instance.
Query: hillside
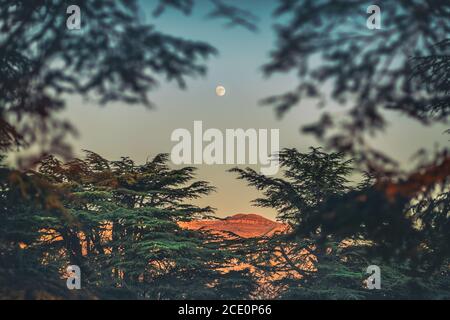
(243, 225)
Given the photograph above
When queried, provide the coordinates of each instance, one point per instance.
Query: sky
(141, 133)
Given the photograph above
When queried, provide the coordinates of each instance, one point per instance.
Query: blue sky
(141, 133)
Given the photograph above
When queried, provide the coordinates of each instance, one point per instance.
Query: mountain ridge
(241, 224)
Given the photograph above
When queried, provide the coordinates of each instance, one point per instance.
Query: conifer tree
(338, 229)
(119, 222)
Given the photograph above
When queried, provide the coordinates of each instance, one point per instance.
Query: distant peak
(247, 216)
(241, 224)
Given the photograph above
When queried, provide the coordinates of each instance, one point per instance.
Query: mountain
(243, 225)
(249, 226)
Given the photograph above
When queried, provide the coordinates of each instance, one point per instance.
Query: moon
(220, 91)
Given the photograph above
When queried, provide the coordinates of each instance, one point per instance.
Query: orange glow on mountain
(242, 225)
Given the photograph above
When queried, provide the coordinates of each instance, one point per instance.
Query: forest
(121, 221)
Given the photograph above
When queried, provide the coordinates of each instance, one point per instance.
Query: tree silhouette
(336, 57)
(311, 178)
(116, 56)
(434, 74)
(337, 229)
(118, 221)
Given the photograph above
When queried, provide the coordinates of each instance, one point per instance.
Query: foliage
(120, 226)
(403, 67)
(114, 57)
(337, 229)
(119, 220)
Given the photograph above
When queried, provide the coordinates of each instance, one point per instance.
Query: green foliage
(309, 179)
(337, 230)
(121, 226)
